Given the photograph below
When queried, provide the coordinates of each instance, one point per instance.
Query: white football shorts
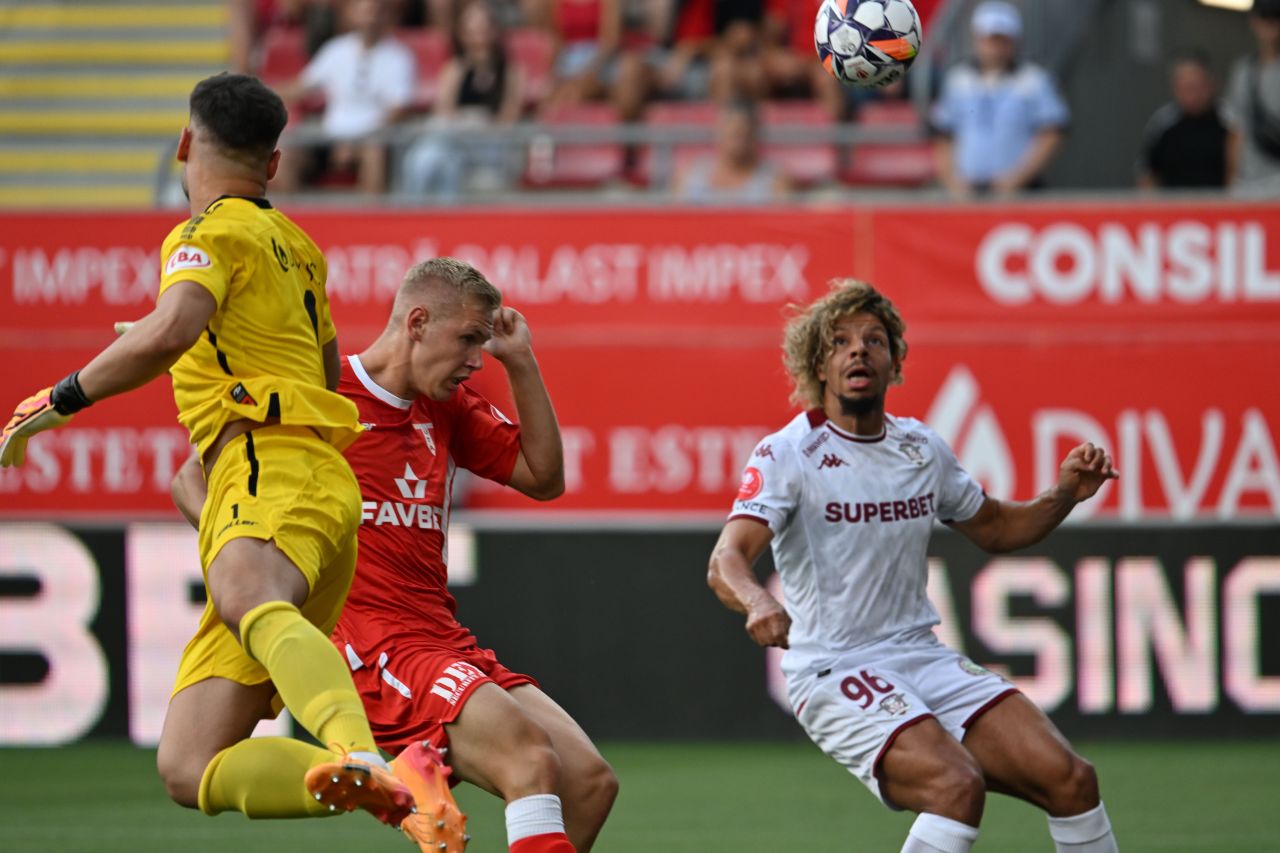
(854, 710)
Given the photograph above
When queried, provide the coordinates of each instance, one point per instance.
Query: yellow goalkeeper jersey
(260, 356)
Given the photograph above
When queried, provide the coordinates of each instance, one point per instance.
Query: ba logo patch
(752, 483)
(187, 258)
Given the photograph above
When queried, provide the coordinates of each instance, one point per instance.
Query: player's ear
(273, 164)
(416, 322)
(184, 145)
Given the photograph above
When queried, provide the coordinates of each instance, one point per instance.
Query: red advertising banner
(1154, 330)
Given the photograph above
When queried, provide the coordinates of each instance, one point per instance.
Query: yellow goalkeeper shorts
(286, 485)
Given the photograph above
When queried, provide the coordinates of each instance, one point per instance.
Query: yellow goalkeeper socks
(262, 778)
(310, 675)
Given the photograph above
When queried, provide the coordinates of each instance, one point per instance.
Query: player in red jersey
(422, 675)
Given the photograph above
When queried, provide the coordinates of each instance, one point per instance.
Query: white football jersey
(851, 518)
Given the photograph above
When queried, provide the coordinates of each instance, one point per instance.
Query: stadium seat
(284, 55)
(806, 164)
(430, 52)
(675, 114)
(575, 165)
(890, 164)
(532, 49)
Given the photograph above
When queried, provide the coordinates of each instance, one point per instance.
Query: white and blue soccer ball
(867, 42)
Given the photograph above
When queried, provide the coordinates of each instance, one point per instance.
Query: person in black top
(479, 87)
(1185, 141)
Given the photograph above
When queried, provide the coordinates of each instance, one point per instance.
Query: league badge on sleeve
(752, 483)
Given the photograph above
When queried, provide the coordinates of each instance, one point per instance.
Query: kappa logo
(765, 451)
(970, 427)
(187, 257)
(412, 487)
(831, 460)
(425, 429)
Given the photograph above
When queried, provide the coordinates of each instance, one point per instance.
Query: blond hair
(459, 280)
(808, 339)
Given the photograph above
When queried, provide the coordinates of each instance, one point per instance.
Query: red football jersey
(405, 463)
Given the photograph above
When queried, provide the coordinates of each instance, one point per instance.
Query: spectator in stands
(999, 121)
(249, 19)
(587, 34)
(367, 79)
(1185, 142)
(1252, 108)
(479, 87)
(700, 48)
(736, 173)
(788, 56)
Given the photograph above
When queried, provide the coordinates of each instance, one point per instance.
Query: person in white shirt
(367, 79)
(847, 495)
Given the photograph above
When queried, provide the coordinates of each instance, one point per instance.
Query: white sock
(933, 833)
(538, 814)
(1089, 832)
(371, 758)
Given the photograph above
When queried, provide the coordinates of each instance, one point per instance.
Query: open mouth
(858, 378)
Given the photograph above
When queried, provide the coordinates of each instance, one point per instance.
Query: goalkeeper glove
(46, 409)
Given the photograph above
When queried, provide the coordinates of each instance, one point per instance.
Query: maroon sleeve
(485, 441)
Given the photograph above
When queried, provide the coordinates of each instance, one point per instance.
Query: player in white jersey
(847, 496)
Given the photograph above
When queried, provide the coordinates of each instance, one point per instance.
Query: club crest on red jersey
(425, 429)
(752, 483)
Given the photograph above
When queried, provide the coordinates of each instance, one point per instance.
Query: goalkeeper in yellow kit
(242, 324)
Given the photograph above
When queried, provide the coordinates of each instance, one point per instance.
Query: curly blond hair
(807, 341)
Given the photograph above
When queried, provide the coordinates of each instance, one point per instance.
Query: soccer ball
(867, 42)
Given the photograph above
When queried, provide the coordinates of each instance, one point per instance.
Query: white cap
(997, 18)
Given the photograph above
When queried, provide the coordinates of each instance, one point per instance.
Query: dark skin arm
(1001, 526)
(731, 576)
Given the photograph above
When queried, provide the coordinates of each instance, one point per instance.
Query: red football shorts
(411, 691)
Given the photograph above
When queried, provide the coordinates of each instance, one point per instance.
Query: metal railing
(521, 141)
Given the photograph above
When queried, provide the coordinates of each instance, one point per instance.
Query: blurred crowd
(450, 71)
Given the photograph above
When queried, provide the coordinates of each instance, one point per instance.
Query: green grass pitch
(696, 797)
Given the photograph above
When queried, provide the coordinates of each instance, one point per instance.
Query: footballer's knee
(599, 788)
(958, 791)
(1076, 791)
(532, 766)
(590, 786)
(181, 775)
